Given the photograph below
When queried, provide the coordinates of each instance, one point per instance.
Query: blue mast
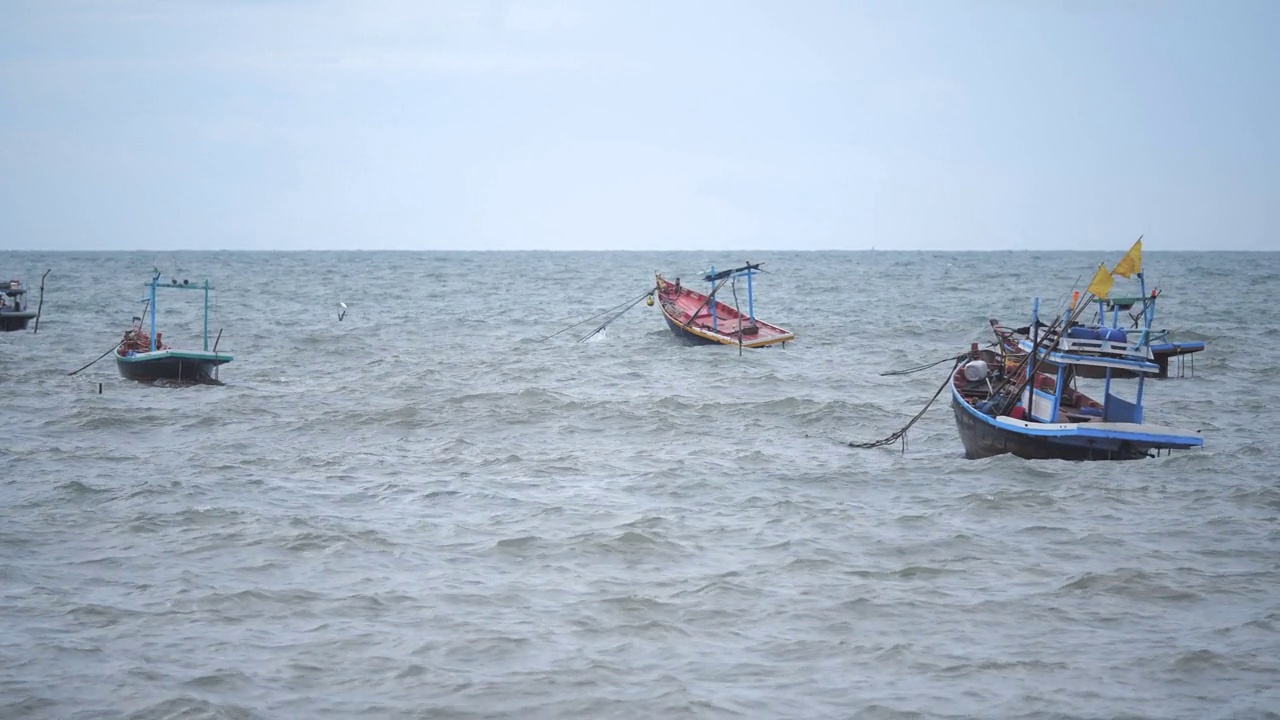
(1035, 340)
(711, 302)
(206, 315)
(155, 277)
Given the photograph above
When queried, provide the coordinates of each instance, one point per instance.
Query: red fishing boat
(702, 319)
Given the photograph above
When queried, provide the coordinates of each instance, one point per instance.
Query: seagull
(343, 312)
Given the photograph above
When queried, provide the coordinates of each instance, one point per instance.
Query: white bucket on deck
(975, 370)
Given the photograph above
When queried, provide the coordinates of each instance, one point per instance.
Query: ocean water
(423, 511)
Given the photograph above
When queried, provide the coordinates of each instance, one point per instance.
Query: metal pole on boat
(751, 307)
(711, 300)
(1148, 311)
(1035, 342)
(206, 314)
(40, 307)
(1137, 408)
(1106, 397)
(152, 302)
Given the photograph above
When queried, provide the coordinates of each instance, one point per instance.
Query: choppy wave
(427, 511)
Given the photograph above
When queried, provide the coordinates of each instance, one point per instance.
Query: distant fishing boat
(15, 312)
(1025, 400)
(144, 357)
(703, 319)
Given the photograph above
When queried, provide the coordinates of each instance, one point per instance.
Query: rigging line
(902, 432)
(602, 312)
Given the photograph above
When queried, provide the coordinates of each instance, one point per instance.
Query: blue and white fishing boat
(15, 312)
(144, 357)
(1028, 402)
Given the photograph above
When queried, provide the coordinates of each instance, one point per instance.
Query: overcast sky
(654, 125)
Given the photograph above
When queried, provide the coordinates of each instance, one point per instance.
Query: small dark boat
(142, 355)
(702, 319)
(15, 313)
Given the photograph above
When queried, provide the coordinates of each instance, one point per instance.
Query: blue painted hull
(982, 439)
(174, 368)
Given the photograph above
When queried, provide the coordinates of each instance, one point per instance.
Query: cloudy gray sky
(282, 124)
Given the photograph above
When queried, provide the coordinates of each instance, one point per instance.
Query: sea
(446, 504)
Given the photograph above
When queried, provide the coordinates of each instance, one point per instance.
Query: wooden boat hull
(985, 436)
(178, 366)
(982, 440)
(15, 320)
(689, 317)
(684, 335)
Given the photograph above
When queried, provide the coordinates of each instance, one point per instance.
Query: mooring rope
(918, 368)
(108, 352)
(902, 432)
(619, 314)
(602, 312)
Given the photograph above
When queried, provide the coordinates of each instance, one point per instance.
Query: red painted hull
(695, 321)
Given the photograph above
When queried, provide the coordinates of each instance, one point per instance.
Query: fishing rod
(1025, 378)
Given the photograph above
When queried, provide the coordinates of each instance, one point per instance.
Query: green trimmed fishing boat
(15, 313)
(144, 357)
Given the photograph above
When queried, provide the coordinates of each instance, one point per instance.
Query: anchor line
(628, 303)
(901, 433)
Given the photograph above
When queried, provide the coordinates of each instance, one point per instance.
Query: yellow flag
(1101, 283)
(1132, 262)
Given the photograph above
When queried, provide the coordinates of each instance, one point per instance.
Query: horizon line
(687, 250)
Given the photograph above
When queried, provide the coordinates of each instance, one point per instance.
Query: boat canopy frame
(155, 284)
